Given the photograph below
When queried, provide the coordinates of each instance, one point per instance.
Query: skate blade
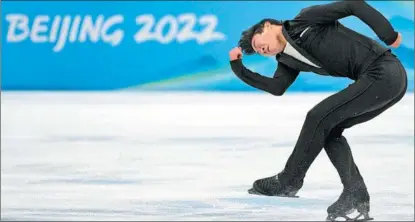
(351, 219)
(255, 192)
(365, 218)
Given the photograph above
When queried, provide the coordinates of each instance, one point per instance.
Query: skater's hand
(235, 53)
(397, 41)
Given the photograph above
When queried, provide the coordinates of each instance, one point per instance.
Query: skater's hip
(387, 71)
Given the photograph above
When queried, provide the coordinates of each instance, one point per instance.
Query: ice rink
(176, 156)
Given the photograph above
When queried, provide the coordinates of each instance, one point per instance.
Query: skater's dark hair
(247, 35)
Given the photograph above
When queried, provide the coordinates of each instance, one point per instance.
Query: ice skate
(348, 202)
(271, 186)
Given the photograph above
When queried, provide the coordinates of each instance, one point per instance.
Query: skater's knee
(335, 135)
(314, 116)
(318, 121)
(323, 125)
(336, 132)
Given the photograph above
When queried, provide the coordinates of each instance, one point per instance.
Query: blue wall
(106, 46)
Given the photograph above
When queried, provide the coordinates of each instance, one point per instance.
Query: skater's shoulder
(303, 12)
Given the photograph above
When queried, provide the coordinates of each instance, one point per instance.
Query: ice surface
(136, 156)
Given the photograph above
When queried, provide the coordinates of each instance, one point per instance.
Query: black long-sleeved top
(283, 77)
(338, 50)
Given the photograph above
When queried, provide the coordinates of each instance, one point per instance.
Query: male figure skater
(314, 41)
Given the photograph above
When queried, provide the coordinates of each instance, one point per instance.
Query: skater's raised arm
(282, 79)
(337, 10)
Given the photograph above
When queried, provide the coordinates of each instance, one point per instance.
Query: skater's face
(270, 41)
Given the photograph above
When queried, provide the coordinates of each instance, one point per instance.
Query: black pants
(382, 85)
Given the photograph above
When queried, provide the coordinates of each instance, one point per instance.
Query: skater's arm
(327, 13)
(283, 77)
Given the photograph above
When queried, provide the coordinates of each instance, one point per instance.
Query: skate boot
(272, 186)
(348, 202)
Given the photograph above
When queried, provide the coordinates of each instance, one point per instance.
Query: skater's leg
(383, 83)
(354, 188)
(354, 194)
(339, 152)
(340, 155)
